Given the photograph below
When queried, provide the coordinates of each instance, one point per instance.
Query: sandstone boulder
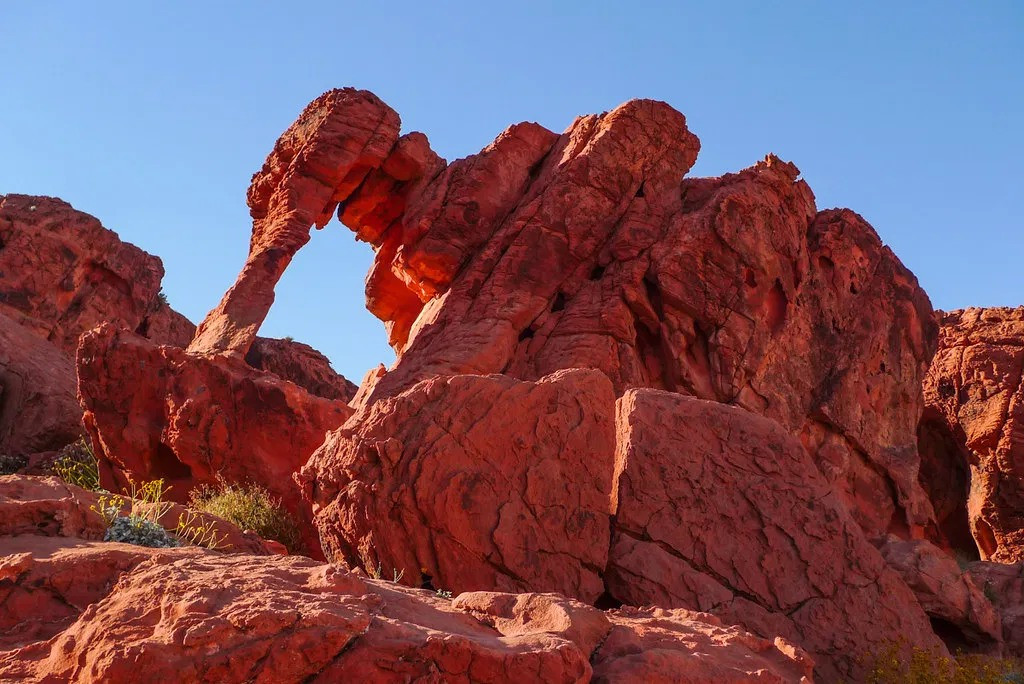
(301, 364)
(960, 611)
(720, 510)
(474, 482)
(975, 398)
(1003, 585)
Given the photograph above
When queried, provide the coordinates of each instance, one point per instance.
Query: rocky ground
(641, 427)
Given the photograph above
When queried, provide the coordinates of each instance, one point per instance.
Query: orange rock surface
(975, 400)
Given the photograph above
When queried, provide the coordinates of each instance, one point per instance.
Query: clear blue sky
(153, 116)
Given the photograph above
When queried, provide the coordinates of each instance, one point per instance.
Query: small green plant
(377, 573)
(250, 507)
(194, 531)
(141, 526)
(444, 593)
(134, 529)
(161, 297)
(76, 465)
(288, 338)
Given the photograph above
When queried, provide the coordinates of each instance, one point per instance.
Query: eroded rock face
(1003, 585)
(301, 364)
(975, 398)
(62, 273)
(38, 407)
(960, 612)
(474, 482)
(160, 412)
(720, 510)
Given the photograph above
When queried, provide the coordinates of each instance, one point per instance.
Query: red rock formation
(470, 482)
(960, 612)
(477, 482)
(38, 408)
(62, 273)
(193, 419)
(76, 609)
(1003, 585)
(195, 616)
(975, 396)
(339, 138)
(720, 510)
(301, 364)
(589, 249)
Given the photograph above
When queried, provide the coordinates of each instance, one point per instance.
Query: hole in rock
(955, 638)
(607, 602)
(640, 191)
(654, 296)
(166, 465)
(853, 289)
(945, 477)
(776, 306)
(748, 278)
(526, 334)
(597, 272)
(559, 303)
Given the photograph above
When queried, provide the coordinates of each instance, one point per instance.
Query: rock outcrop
(38, 407)
(62, 272)
(80, 610)
(975, 396)
(591, 250)
(301, 364)
(1003, 585)
(960, 611)
(475, 483)
(720, 510)
(480, 482)
(193, 420)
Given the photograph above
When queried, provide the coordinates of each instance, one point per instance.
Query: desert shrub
(194, 531)
(138, 530)
(76, 465)
(11, 464)
(141, 526)
(890, 666)
(250, 507)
